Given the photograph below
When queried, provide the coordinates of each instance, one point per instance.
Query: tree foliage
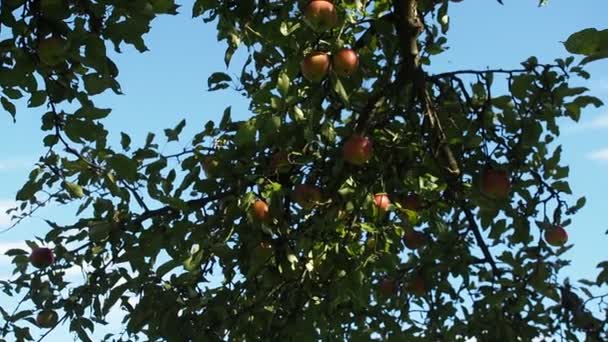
(215, 243)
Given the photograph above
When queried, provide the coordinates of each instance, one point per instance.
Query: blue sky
(169, 83)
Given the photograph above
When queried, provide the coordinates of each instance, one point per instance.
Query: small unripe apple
(411, 202)
(388, 287)
(557, 236)
(210, 165)
(382, 201)
(99, 231)
(47, 319)
(357, 150)
(42, 257)
(417, 286)
(345, 62)
(259, 211)
(371, 243)
(315, 66)
(321, 15)
(495, 183)
(52, 50)
(306, 195)
(414, 239)
(280, 162)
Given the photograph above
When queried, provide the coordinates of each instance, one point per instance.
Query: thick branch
(168, 210)
(409, 26)
(480, 241)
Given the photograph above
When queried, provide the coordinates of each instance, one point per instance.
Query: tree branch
(168, 210)
(480, 241)
(409, 26)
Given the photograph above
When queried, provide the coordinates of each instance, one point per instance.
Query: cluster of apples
(43, 257)
(317, 64)
(321, 15)
(495, 184)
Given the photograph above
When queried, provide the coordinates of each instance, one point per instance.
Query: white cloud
(599, 155)
(597, 123)
(16, 164)
(603, 84)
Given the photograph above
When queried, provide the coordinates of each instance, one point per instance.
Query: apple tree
(365, 198)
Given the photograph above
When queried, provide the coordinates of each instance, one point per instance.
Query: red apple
(414, 239)
(315, 66)
(345, 62)
(321, 15)
(495, 183)
(42, 257)
(280, 162)
(382, 201)
(388, 287)
(557, 236)
(306, 195)
(357, 150)
(259, 210)
(411, 202)
(210, 166)
(47, 319)
(417, 286)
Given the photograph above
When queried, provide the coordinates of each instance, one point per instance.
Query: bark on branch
(409, 26)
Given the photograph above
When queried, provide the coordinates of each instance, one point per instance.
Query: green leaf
(37, 99)
(218, 80)
(246, 134)
(173, 134)
(8, 106)
(589, 42)
(125, 141)
(73, 189)
(124, 166)
(226, 118)
(340, 90)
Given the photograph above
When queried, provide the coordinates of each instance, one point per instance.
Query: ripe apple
(47, 318)
(557, 236)
(41, 257)
(357, 150)
(259, 210)
(414, 239)
(306, 195)
(417, 286)
(411, 202)
(280, 162)
(52, 50)
(495, 183)
(382, 201)
(315, 66)
(321, 15)
(345, 62)
(388, 287)
(210, 165)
